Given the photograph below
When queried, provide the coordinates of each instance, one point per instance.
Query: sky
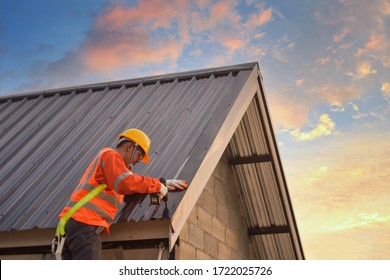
(326, 74)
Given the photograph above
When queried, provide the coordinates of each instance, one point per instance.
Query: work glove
(173, 184)
(163, 190)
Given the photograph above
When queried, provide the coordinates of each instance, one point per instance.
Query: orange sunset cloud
(125, 36)
(155, 32)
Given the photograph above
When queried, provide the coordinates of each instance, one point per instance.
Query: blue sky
(325, 67)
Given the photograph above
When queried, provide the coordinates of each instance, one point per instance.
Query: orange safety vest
(110, 169)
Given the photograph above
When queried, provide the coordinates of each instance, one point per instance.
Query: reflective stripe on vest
(96, 160)
(120, 178)
(93, 167)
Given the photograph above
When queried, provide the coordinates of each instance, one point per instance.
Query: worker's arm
(122, 180)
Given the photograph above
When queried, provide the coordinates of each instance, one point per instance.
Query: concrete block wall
(216, 227)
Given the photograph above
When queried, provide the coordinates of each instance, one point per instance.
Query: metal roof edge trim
(213, 155)
(128, 82)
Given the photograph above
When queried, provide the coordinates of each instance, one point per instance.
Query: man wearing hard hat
(90, 210)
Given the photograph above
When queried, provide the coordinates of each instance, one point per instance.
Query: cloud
(156, 32)
(299, 82)
(346, 167)
(150, 33)
(232, 44)
(386, 89)
(323, 60)
(363, 70)
(324, 127)
(222, 24)
(385, 8)
(152, 14)
(377, 47)
(156, 36)
(288, 108)
(359, 221)
(130, 53)
(291, 46)
(280, 55)
(203, 3)
(219, 16)
(377, 42)
(337, 38)
(345, 46)
(336, 93)
(358, 114)
(365, 29)
(354, 236)
(259, 19)
(337, 106)
(347, 191)
(196, 52)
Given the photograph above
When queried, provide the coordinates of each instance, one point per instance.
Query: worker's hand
(163, 190)
(173, 185)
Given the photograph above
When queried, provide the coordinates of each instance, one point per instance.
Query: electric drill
(155, 197)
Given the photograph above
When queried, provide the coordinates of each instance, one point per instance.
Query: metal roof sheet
(49, 137)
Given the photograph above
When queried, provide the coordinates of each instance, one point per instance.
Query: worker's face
(136, 155)
(139, 153)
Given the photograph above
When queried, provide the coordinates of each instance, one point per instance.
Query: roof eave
(121, 232)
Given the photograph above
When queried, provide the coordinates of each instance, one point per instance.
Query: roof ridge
(119, 83)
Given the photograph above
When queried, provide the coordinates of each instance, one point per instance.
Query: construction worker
(112, 167)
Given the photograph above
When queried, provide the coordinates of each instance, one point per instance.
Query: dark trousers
(82, 242)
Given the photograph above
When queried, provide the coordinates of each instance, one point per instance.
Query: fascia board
(130, 231)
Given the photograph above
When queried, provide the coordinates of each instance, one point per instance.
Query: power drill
(155, 198)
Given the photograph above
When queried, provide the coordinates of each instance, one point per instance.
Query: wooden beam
(250, 159)
(268, 230)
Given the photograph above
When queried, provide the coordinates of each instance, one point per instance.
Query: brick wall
(216, 227)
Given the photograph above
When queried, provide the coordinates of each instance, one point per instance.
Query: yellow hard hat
(140, 138)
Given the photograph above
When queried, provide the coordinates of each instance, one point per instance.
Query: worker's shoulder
(109, 154)
(108, 150)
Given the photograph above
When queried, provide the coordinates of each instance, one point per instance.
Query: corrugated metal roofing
(49, 137)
